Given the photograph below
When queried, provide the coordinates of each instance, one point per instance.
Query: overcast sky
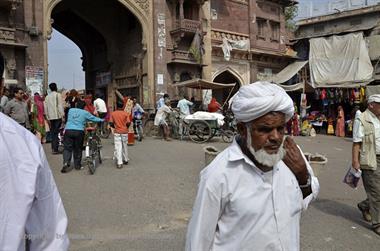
(65, 59)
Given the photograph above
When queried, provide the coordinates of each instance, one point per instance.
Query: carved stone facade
(149, 45)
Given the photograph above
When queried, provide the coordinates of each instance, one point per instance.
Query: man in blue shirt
(74, 135)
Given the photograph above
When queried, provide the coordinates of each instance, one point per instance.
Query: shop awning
(288, 72)
(295, 87)
(201, 84)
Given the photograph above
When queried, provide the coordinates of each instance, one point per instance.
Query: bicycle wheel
(90, 165)
(227, 136)
(199, 131)
(100, 156)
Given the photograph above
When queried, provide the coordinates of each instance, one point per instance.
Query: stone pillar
(206, 28)
(181, 13)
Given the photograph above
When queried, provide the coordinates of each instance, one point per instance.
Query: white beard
(262, 156)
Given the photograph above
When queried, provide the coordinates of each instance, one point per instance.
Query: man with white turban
(252, 195)
(366, 156)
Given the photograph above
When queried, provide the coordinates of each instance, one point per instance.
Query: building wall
(230, 15)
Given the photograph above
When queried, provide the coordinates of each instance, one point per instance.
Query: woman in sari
(340, 123)
(38, 117)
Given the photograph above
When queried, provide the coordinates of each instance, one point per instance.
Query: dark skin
(267, 133)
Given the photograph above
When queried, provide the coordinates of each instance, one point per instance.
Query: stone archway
(141, 9)
(227, 76)
(230, 71)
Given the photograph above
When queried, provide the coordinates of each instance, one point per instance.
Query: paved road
(147, 204)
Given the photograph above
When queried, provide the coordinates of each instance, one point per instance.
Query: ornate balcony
(7, 35)
(186, 25)
(184, 57)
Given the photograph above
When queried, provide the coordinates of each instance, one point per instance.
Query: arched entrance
(114, 37)
(225, 77)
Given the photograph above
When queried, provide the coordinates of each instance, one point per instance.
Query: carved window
(261, 24)
(275, 31)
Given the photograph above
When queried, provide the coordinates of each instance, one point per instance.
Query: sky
(65, 64)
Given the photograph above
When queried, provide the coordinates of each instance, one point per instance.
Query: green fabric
(37, 127)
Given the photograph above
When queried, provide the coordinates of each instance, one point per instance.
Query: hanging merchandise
(357, 96)
(317, 94)
(323, 94)
(330, 94)
(362, 94)
(330, 127)
(352, 96)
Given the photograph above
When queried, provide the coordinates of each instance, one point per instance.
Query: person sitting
(214, 106)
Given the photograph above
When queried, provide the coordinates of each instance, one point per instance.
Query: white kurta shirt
(100, 105)
(30, 205)
(239, 207)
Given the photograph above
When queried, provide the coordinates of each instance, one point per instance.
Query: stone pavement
(147, 204)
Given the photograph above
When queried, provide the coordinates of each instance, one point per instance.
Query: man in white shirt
(100, 107)
(184, 109)
(54, 114)
(160, 119)
(161, 101)
(366, 156)
(252, 195)
(30, 205)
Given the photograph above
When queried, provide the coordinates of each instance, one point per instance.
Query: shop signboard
(34, 78)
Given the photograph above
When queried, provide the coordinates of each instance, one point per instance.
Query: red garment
(39, 103)
(120, 119)
(214, 106)
(89, 106)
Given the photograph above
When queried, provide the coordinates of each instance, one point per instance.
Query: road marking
(338, 149)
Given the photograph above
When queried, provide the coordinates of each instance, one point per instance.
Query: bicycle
(138, 125)
(103, 130)
(93, 155)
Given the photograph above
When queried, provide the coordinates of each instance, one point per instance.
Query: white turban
(257, 99)
(374, 98)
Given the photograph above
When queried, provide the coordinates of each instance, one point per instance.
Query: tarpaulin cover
(201, 84)
(339, 61)
(288, 72)
(295, 87)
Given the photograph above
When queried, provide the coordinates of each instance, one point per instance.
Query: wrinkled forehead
(269, 117)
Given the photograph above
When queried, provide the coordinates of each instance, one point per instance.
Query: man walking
(54, 114)
(184, 109)
(17, 108)
(120, 121)
(366, 156)
(4, 99)
(252, 195)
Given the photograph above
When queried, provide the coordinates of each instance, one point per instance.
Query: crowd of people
(229, 213)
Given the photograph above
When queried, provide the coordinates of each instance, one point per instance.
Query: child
(120, 120)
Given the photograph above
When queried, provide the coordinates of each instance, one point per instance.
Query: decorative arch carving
(229, 69)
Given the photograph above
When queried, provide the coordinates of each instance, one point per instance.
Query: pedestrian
(251, 196)
(89, 106)
(4, 99)
(184, 110)
(17, 108)
(119, 121)
(54, 113)
(100, 107)
(340, 123)
(160, 119)
(74, 136)
(366, 157)
(161, 101)
(71, 100)
(38, 117)
(31, 209)
(137, 115)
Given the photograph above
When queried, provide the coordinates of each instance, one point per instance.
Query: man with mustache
(252, 195)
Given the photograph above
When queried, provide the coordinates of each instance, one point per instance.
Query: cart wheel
(150, 129)
(228, 136)
(199, 131)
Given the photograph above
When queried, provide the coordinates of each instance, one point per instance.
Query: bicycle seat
(90, 129)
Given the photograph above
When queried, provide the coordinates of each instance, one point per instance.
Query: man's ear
(242, 129)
